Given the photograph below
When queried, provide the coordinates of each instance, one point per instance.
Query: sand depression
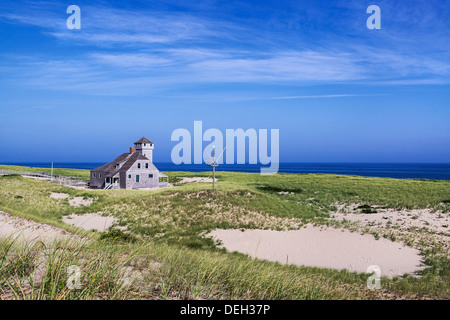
(323, 247)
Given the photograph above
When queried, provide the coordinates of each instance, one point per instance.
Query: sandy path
(30, 231)
(90, 221)
(196, 179)
(74, 202)
(323, 247)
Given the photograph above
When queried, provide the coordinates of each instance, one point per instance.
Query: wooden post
(213, 165)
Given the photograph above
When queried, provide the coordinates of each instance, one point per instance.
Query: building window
(129, 176)
(139, 165)
(100, 175)
(150, 176)
(137, 178)
(146, 166)
(93, 175)
(145, 144)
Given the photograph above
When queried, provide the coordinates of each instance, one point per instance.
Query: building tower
(145, 147)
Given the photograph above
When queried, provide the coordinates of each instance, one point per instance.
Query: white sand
(74, 202)
(197, 179)
(90, 221)
(323, 247)
(57, 181)
(29, 231)
(58, 196)
(79, 201)
(404, 219)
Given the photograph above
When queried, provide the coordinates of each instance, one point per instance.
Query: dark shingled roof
(143, 140)
(135, 157)
(110, 166)
(129, 159)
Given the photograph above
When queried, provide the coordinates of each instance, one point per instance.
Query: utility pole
(213, 165)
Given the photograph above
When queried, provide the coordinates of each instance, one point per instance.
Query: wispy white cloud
(126, 73)
(135, 61)
(21, 109)
(281, 66)
(132, 51)
(103, 25)
(325, 96)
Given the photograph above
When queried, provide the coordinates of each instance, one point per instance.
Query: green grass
(166, 225)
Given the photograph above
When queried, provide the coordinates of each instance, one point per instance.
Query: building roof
(127, 159)
(143, 140)
(110, 166)
(134, 157)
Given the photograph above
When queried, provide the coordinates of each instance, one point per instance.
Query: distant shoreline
(432, 171)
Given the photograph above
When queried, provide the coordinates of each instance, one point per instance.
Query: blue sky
(337, 91)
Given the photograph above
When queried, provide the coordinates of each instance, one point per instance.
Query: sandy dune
(323, 247)
(404, 219)
(309, 246)
(90, 221)
(29, 231)
(74, 202)
(197, 179)
(59, 196)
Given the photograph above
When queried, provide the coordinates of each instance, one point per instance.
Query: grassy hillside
(77, 173)
(166, 228)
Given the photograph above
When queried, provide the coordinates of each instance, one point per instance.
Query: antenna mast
(213, 165)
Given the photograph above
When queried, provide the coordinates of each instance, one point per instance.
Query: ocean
(390, 170)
